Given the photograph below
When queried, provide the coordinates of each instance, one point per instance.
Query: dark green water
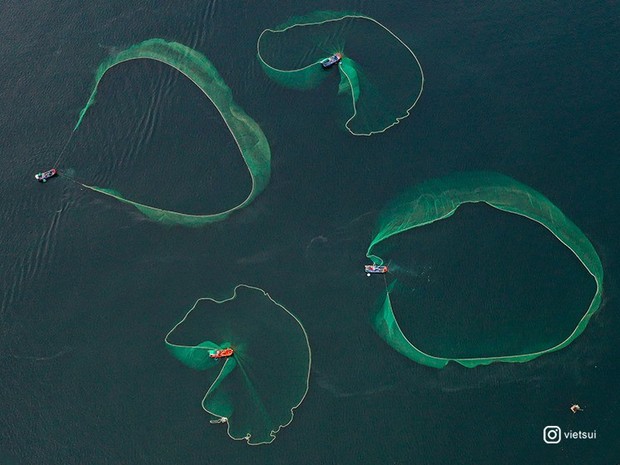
(499, 285)
(90, 287)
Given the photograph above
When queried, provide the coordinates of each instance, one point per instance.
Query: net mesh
(267, 377)
(249, 137)
(438, 199)
(381, 77)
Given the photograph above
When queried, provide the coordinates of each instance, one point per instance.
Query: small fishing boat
(222, 353)
(45, 175)
(331, 61)
(375, 269)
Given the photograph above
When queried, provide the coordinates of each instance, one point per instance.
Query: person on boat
(575, 408)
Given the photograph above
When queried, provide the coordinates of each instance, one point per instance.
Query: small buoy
(368, 274)
(575, 408)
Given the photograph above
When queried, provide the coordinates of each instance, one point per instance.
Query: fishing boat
(45, 175)
(331, 61)
(222, 353)
(375, 269)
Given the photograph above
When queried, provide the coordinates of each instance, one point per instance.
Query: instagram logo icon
(552, 434)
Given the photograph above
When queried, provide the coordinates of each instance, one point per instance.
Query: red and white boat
(45, 175)
(375, 269)
(222, 353)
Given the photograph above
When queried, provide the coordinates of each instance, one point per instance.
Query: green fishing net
(248, 136)
(438, 199)
(381, 79)
(258, 387)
